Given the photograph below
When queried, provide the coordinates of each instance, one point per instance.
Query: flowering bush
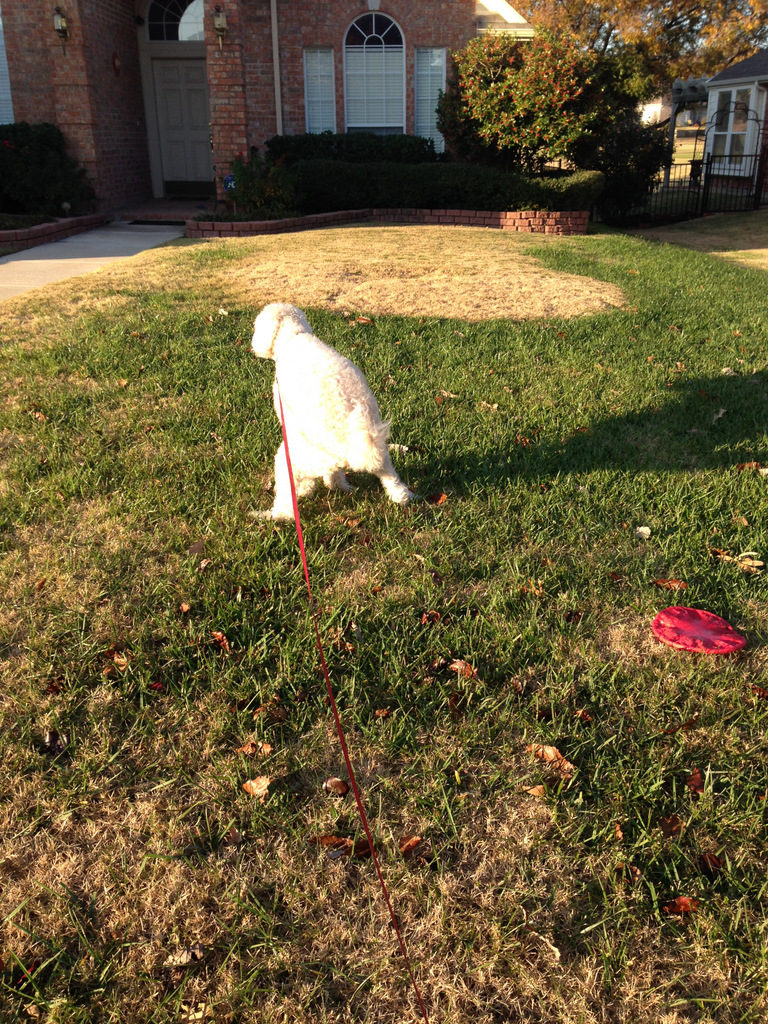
(523, 103)
(530, 99)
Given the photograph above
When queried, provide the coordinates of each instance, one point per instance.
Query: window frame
(309, 102)
(385, 127)
(724, 128)
(431, 128)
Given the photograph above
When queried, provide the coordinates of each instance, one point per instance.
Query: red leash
(337, 719)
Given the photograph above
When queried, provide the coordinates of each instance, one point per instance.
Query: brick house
(156, 97)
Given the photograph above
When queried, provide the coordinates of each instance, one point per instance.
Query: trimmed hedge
(324, 185)
(37, 175)
(356, 147)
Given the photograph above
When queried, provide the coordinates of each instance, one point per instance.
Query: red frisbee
(692, 629)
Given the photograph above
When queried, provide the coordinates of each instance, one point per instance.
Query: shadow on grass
(705, 423)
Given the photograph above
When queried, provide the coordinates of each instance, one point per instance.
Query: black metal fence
(712, 185)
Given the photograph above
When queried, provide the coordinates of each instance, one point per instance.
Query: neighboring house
(656, 110)
(736, 116)
(156, 97)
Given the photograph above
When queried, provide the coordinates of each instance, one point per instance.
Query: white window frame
(393, 125)
(428, 79)
(722, 114)
(319, 90)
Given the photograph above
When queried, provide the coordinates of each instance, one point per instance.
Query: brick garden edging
(52, 231)
(557, 222)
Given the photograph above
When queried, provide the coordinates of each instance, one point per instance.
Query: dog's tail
(366, 440)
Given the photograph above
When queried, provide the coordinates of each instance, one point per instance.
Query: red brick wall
(251, 119)
(226, 84)
(28, 45)
(446, 24)
(117, 125)
(89, 86)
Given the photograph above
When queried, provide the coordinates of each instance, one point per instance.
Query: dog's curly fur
(331, 417)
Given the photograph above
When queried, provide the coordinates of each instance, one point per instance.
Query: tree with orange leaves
(672, 38)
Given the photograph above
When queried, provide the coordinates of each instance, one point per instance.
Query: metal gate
(733, 183)
(715, 184)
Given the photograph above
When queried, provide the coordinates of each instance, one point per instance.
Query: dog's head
(278, 318)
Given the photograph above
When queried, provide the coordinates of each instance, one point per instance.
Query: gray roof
(754, 68)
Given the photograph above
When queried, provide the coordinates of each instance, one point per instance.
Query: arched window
(374, 75)
(174, 21)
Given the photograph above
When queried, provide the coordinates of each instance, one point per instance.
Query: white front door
(183, 115)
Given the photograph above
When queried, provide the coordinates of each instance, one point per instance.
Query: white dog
(331, 417)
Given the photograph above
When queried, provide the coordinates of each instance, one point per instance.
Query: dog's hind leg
(282, 507)
(337, 481)
(392, 483)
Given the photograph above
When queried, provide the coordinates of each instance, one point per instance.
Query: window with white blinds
(374, 75)
(430, 79)
(319, 97)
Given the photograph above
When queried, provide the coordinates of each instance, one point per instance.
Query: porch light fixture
(219, 23)
(60, 24)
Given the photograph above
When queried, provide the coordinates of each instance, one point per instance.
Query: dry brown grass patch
(470, 274)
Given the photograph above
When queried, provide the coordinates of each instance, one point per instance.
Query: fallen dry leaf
(539, 791)
(760, 692)
(184, 607)
(671, 584)
(336, 787)
(255, 748)
(551, 756)
(382, 713)
(192, 1013)
(258, 787)
(430, 617)
(628, 873)
(618, 834)
(695, 782)
(463, 668)
(196, 548)
(671, 826)
(408, 844)
(682, 726)
(747, 561)
(710, 864)
(186, 957)
(681, 905)
(437, 499)
(220, 640)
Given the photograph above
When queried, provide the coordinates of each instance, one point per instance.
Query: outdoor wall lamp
(219, 23)
(60, 24)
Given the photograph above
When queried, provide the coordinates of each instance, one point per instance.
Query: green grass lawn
(150, 627)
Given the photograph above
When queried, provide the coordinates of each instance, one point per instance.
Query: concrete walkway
(79, 254)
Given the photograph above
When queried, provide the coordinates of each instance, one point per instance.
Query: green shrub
(356, 147)
(630, 156)
(37, 175)
(259, 189)
(326, 185)
(528, 99)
